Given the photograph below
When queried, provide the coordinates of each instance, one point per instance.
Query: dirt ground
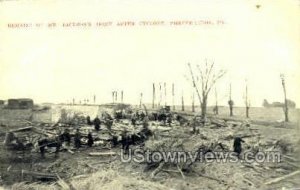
(80, 166)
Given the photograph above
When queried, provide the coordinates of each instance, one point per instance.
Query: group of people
(64, 138)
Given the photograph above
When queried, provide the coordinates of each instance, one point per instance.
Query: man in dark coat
(97, 123)
(237, 145)
(66, 137)
(77, 139)
(88, 120)
(90, 140)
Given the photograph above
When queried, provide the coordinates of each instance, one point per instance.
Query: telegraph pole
(173, 96)
(286, 109)
(141, 97)
(153, 96)
(165, 86)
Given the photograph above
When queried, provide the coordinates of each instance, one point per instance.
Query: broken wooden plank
(21, 129)
(102, 153)
(282, 177)
(39, 174)
(290, 158)
(64, 185)
(158, 169)
(70, 151)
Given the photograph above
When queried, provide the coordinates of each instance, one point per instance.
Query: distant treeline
(290, 103)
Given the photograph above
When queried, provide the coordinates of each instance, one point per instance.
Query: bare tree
(208, 78)
(122, 96)
(141, 99)
(153, 96)
(230, 102)
(216, 108)
(247, 101)
(193, 103)
(286, 109)
(182, 103)
(173, 96)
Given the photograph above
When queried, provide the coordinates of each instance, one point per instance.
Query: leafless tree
(230, 102)
(247, 100)
(204, 81)
(182, 102)
(286, 109)
(216, 108)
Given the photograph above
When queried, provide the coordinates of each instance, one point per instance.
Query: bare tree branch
(194, 83)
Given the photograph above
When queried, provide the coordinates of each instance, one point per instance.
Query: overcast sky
(57, 64)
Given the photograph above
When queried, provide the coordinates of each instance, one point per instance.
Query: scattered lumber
(282, 177)
(38, 174)
(290, 158)
(21, 129)
(102, 153)
(70, 151)
(219, 123)
(157, 170)
(64, 185)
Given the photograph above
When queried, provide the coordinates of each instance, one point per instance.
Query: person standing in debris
(66, 137)
(133, 120)
(97, 123)
(169, 119)
(237, 145)
(42, 145)
(125, 142)
(77, 140)
(88, 120)
(57, 144)
(90, 140)
(145, 132)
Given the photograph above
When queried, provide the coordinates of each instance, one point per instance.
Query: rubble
(216, 135)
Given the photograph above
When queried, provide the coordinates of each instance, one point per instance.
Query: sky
(57, 64)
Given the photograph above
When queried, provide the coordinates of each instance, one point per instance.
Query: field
(80, 170)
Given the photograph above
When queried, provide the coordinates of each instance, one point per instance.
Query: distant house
(2, 102)
(290, 104)
(23, 103)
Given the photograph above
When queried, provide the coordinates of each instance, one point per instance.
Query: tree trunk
(247, 111)
(286, 112)
(231, 110)
(204, 107)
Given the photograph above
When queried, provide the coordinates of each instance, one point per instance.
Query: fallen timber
(38, 174)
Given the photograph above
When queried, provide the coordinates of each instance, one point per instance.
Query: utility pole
(141, 97)
(153, 96)
(160, 95)
(230, 102)
(247, 101)
(193, 103)
(122, 96)
(113, 97)
(116, 96)
(173, 96)
(216, 110)
(182, 103)
(94, 99)
(165, 86)
(286, 109)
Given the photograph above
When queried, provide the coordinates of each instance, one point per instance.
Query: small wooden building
(23, 103)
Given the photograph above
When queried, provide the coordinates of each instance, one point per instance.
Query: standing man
(90, 140)
(77, 140)
(88, 120)
(237, 145)
(97, 123)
